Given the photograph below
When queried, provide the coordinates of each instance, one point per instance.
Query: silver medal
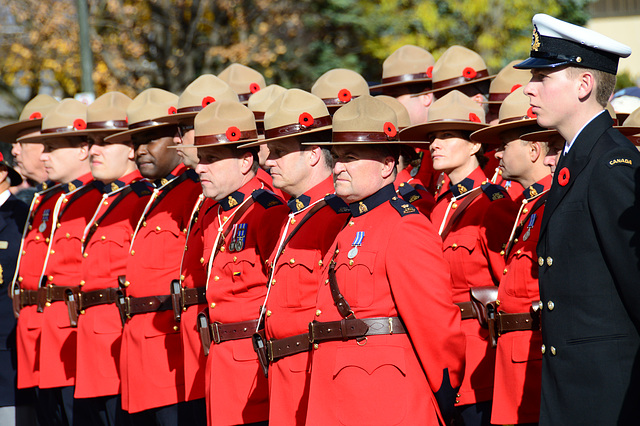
(526, 235)
(352, 253)
(42, 227)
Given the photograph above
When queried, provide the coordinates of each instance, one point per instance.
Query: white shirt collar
(568, 145)
(4, 197)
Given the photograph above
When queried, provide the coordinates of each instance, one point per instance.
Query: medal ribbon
(357, 241)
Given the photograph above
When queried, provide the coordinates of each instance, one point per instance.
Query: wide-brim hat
(457, 67)
(243, 80)
(339, 86)
(409, 64)
(30, 118)
(515, 112)
(223, 123)
(260, 101)
(66, 120)
(294, 113)
(404, 119)
(14, 176)
(143, 111)
(107, 114)
(202, 91)
(454, 111)
(631, 125)
(506, 82)
(541, 136)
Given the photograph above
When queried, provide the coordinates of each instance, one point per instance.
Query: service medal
(42, 227)
(357, 241)
(352, 253)
(526, 235)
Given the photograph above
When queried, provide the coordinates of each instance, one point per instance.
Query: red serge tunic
(472, 249)
(236, 389)
(58, 338)
(34, 251)
(292, 299)
(107, 251)
(151, 364)
(398, 271)
(516, 393)
(412, 190)
(194, 275)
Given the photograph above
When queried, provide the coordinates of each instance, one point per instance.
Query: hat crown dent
(633, 120)
(260, 101)
(285, 110)
(218, 117)
(515, 106)
(329, 84)
(240, 77)
(203, 86)
(65, 114)
(508, 77)
(454, 61)
(408, 59)
(455, 106)
(364, 114)
(150, 104)
(41, 104)
(108, 107)
(404, 119)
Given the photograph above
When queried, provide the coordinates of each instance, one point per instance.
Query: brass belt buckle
(270, 350)
(311, 334)
(127, 306)
(183, 298)
(215, 332)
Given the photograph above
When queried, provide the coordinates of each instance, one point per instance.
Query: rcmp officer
(472, 238)
(339, 86)
(387, 344)
(151, 362)
(259, 104)
(516, 391)
(241, 230)
(588, 249)
(66, 160)
(301, 169)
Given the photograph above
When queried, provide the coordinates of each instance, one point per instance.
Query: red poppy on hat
(530, 113)
(172, 110)
(563, 176)
(469, 73)
(1, 157)
(430, 71)
(515, 87)
(233, 133)
(207, 100)
(344, 95)
(473, 117)
(390, 129)
(254, 87)
(79, 124)
(36, 115)
(305, 119)
(126, 120)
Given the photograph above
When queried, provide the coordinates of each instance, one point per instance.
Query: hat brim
(455, 86)
(535, 63)
(354, 143)
(180, 117)
(416, 134)
(628, 130)
(541, 136)
(400, 83)
(9, 133)
(127, 134)
(491, 135)
(249, 143)
(279, 138)
(15, 177)
(40, 138)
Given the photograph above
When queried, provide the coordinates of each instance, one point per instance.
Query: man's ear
(246, 162)
(426, 100)
(84, 151)
(586, 85)
(388, 166)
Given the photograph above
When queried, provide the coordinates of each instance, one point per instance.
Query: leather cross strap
(232, 331)
(88, 299)
(539, 203)
(95, 225)
(461, 207)
(354, 328)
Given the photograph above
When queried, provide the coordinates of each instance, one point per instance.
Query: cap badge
(114, 186)
(535, 41)
(461, 188)
(362, 208)
(232, 201)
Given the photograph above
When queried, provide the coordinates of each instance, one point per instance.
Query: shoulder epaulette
(193, 175)
(408, 192)
(141, 188)
(337, 204)
(403, 207)
(266, 198)
(494, 192)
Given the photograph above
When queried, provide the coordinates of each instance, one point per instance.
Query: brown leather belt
(467, 310)
(232, 331)
(194, 296)
(517, 322)
(87, 299)
(280, 348)
(143, 305)
(353, 328)
(28, 297)
(57, 293)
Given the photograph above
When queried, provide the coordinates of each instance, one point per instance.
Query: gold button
(549, 261)
(457, 401)
(326, 281)
(454, 245)
(540, 261)
(525, 211)
(454, 206)
(133, 252)
(402, 184)
(182, 277)
(292, 261)
(320, 263)
(82, 312)
(293, 221)
(58, 225)
(106, 203)
(519, 251)
(337, 251)
(50, 277)
(543, 349)
(315, 346)
(268, 313)
(216, 278)
(222, 248)
(53, 251)
(127, 283)
(351, 223)
(497, 302)
(176, 328)
(68, 235)
(579, 59)
(82, 282)
(457, 395)
(202, 260)
(20, 279)
(37, 237)
(224, 218)
(540, 305)
(30, 227)
(551, 305)
(103, 238)
(515, 240)
(318, 312)
(85, 254)
(24, 252)
(553, 350)
(46, 240)
(213, 305)
(505, 271)
(350, 262)
(235, 258)
(501, 252)
(65, 200)
(144, 223)
(158, 228)
(273, 281)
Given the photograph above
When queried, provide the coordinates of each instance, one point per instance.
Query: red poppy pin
(515, 87)
(172, 110)
(305, 119)
(390, 130)
(207, 100)
(79, 124)
(473, 117)
(469, 73)
(563, 176)
(36, 115)
(344, 95)
(233, 134)
(254, 87)
(430, 72)
(530, 113)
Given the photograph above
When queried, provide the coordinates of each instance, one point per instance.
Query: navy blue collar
(383, 195)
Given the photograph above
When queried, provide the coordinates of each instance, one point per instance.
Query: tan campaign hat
(404, 120)
(338, 86)
(107, 114)
(631, 126)
(202, 91)
(515, 112)
(243, 80)
(224, 123)
(66, 120)
(294, 113)
(364, 120)
(30, 118)
(143, 111)
(262, 99)
(454, 111)
(457, 67)
(507, 81)
(409, 64)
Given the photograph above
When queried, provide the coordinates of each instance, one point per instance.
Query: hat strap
(405, 77)
(297, 128)
(109, 124)
(362, 137)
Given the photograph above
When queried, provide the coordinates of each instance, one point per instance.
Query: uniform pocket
(298, 290)
(526, 347)
(356, 280)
